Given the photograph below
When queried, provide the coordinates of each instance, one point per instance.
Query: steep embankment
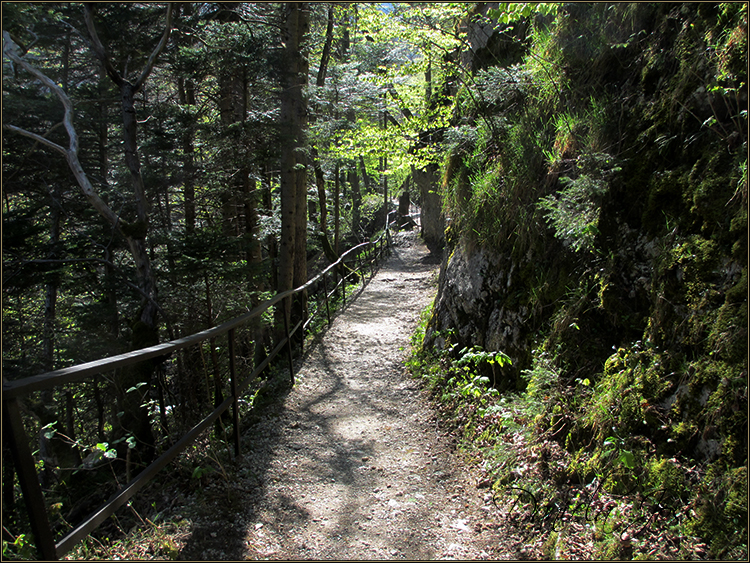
(598, 200)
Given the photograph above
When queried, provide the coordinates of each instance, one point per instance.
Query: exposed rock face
(469, 307)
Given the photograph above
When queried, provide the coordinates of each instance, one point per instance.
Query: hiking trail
(353, 462)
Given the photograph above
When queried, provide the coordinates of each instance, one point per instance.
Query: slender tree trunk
(428, 83)
(329, 251)
(50, 298)
(103, 130)
(326, 55)
(356, 197)
(336, 209)
(384, 171)
(365, 176)
(186, 92)
(8, 478)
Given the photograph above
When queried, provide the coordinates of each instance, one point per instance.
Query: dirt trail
(352, 463)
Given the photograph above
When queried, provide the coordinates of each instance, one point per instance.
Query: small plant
(477, 357)
(199, 472)
(20, 549)
(574, 211)
(615, 447)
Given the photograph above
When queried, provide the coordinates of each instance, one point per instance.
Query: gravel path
(352, 463)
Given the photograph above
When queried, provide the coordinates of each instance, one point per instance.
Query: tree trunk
(433, 221)
(50, 298)
(365, 176)
(428, 84)
(186, 92)
(356, 196)
(324, 58)
(336, 210)
(293, 239)
(328, 250)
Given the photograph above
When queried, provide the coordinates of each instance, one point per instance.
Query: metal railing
(365, 255)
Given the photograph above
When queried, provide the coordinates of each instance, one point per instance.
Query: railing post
(235, 401)
(29, 480)
(343, 283)
(287, 309)
(325, 293)
(336, 278)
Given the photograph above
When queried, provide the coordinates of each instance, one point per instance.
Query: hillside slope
(596, 183)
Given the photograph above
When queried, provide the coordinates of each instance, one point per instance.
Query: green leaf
(137, 386)
(627, 459)
(110, 454)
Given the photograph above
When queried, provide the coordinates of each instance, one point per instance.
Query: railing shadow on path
(315, 418)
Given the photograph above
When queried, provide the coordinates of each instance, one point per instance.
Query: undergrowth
(575, 465)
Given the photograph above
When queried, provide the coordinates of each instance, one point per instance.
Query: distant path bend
(352, 464)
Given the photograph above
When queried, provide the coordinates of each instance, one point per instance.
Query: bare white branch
(10, 50)
(157, 51)
(37, 138)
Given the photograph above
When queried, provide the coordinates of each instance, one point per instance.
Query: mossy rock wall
(631, 275)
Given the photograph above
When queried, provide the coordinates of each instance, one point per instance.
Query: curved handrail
(80, 371)
(26, 470)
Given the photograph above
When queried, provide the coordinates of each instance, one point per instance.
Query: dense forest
(166, 167)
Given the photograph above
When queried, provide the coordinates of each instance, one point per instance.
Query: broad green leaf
(628, 459)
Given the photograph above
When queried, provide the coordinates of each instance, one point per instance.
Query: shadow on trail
(315, 436)
(424, 264)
